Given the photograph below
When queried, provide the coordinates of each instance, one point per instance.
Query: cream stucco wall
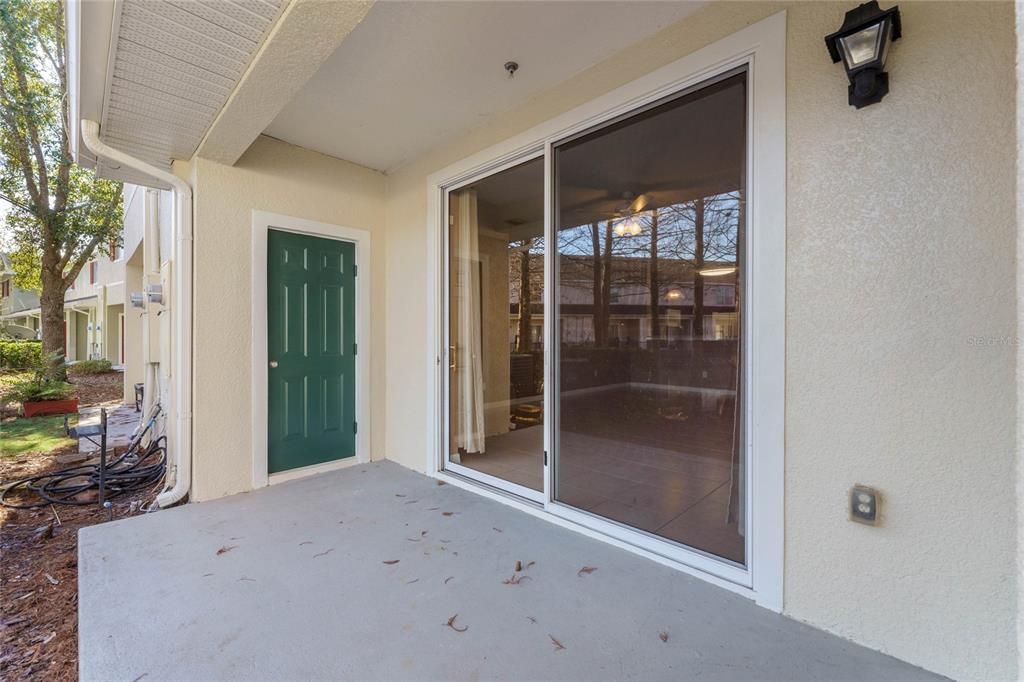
(277, 177)
(900, 283)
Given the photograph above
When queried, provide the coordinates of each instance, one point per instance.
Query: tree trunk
(698, 264)
(525, 298)
(654, 284)
(51, 308)
(606, 284)
(600, 326)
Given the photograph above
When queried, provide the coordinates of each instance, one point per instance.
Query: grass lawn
(38, 434)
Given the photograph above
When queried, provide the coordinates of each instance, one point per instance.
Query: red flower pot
(44, 407)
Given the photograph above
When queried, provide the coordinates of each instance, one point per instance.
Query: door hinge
(355, 427)
(355, 270)
(355, 349)
(545, 458)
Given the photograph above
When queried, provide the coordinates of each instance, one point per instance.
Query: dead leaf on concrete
(392, 562)
(306, 542)
(515, 579)
(451, 624)
(498, 530)
(410, 582)
(447, 513)
(448, 578)
(586, 570)
(532, 619)
(558, 645)
(441, 483)
(399, 495)
(225, 549)
(252, 580)
(328, 551)
(663, 636)
(519, 566)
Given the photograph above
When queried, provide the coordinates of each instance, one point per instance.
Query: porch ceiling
(415, 73)
(354, 575)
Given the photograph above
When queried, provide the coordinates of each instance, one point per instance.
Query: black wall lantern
(862, 42)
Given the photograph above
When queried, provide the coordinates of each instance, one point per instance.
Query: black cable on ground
(137, 468)
(132, 471)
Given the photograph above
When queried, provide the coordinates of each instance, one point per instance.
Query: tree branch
(80, 262)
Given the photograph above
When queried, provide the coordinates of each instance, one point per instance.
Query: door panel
(650, 320)
(496, 315)
(311, 349)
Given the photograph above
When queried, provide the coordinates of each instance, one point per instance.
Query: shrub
(90, 367)
(20, 354)
(39, 388)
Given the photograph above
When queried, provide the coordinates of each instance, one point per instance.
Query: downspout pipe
(180, 443)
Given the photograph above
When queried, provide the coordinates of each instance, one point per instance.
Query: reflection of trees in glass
(675, 243)
(526, 264)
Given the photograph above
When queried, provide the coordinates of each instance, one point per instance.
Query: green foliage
(40, 388)
(62, 215)
(90, 367)
(18, 354)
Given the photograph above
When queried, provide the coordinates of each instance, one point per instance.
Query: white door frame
(262, 221)
(761, 49)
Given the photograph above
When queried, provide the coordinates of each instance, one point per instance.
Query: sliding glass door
(643, 309)
(496, 329)
(649, 320)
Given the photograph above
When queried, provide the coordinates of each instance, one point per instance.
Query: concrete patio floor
(296, 581)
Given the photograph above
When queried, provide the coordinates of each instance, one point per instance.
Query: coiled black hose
(136, 468)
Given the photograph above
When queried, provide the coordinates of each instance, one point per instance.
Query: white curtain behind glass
(467, 382)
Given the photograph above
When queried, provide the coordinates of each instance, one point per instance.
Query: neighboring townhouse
(752, 348)
(19, 308)
(94, 326)
(146, 273)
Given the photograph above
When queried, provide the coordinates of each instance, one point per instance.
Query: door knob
(273, 363)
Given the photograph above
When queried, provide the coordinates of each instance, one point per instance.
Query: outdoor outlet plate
(864, 503)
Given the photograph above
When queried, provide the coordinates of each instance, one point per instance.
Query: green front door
(311, 344)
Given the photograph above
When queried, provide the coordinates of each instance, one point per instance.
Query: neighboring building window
(116, 252)
(92, 272)
(5, 288)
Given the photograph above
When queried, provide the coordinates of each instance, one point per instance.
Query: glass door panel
(650, 269)
(495, 329)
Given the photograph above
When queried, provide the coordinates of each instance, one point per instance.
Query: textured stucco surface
(277, 177)
(900, 283)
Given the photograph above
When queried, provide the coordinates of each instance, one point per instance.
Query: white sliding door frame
(760, 50)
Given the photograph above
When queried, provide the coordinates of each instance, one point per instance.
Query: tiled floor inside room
(665, 466)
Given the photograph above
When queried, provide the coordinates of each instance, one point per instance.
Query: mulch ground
(39, 561)
(39, 577)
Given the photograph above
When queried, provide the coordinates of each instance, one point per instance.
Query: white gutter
(180, 442)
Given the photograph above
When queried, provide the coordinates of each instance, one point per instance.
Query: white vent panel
(175, 65)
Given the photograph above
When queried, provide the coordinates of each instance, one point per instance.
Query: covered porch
(356, 574)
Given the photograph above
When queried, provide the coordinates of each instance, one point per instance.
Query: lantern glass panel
(863, 46)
